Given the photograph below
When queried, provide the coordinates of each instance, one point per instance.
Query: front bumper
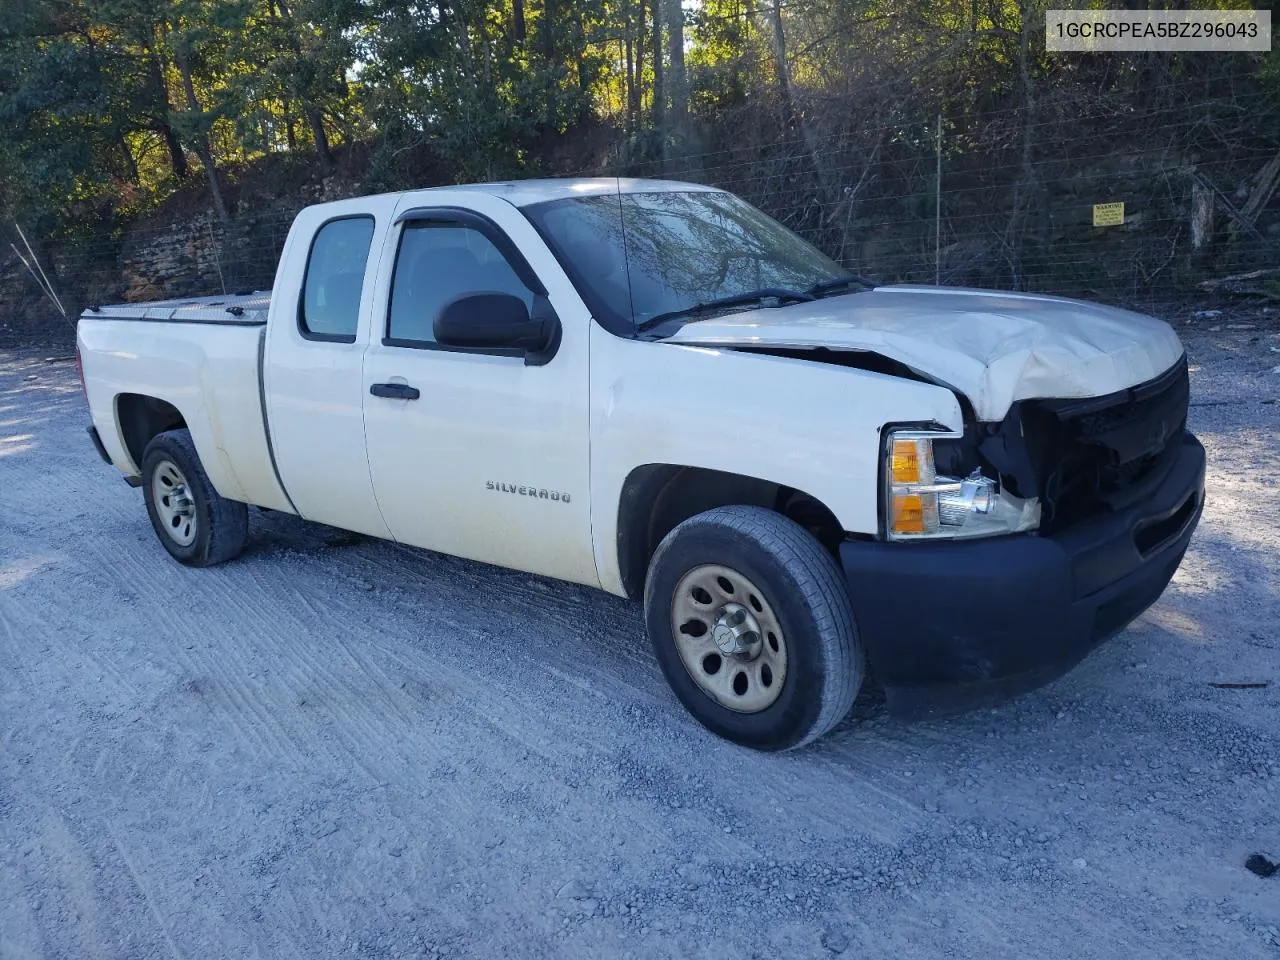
(954, 624)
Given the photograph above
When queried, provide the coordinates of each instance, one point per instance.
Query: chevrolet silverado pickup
(654, 389)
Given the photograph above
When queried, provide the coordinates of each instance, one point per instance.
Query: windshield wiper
(781, 294)
(819, 290)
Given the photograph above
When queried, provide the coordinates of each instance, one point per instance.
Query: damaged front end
(1119, 483)
(1080, 457)
(1047, 465)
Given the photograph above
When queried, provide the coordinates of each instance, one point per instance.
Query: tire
(197, 526)
(784, 579)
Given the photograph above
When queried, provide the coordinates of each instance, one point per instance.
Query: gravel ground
(339, 747)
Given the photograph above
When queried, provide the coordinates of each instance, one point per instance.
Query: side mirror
(493, 320)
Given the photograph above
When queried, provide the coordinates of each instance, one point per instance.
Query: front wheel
(751, 623)
(196, 525)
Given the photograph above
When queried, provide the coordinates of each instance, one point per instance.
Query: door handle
(395, 391)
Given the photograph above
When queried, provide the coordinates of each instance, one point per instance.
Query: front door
(473, 452)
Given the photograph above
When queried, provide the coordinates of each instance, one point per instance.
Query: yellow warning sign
(1108, 214)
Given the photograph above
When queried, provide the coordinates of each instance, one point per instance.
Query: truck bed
(241, 309)
(199, 359)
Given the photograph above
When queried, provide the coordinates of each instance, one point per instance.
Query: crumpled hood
(995, 348)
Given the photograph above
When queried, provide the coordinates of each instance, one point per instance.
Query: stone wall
(175, 261)
(175, 252)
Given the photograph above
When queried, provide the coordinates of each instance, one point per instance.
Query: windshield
(636, 256)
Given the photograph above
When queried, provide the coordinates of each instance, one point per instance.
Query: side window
(330, 306)
(436, 263)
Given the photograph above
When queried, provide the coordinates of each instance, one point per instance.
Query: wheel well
(141, 418)
(659, 496)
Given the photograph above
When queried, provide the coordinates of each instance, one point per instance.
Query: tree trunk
(549, 60)
(778, 39)
(810, 155)
(638, 86)
(659, 91)
(629, 79)
(1201, 216)
(1026, 190)
(487, 47)
(316, 122)
(160, 123)
(517, 11)
(1268, 181)
(130, 165)
(177, 156)
(203, 150)
(584, 74)
(314, 116)
(676, 80)
(458, 28)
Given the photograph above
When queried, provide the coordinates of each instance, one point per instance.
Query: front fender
(806, 425)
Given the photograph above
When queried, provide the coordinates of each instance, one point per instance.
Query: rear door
(313, 381)
(490, 459)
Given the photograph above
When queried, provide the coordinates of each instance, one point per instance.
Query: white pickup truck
(654, 389)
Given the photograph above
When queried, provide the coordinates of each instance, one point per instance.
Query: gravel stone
(278, 730)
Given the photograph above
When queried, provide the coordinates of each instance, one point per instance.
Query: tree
(67, 104)
(823, 113)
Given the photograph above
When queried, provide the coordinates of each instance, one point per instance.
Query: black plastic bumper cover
(952, 624)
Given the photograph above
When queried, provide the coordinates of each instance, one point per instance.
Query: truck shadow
(1195, 635)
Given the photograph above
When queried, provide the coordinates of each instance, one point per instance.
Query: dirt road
(339, 747)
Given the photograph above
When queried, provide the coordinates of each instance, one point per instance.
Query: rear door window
(330, 305)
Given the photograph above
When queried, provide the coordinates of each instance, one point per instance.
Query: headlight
(922, 505)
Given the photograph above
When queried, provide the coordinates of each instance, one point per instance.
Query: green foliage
(108, 106)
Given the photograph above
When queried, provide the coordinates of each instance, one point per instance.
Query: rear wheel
(751, 624)
(196, 525)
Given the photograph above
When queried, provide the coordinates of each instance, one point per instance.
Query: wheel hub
(736, 632)
(174, 504)
(729, 638)
(180, 501)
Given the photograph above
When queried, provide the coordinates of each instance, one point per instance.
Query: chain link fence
(985, 201)
(1143, 225)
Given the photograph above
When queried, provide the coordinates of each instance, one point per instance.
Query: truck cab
(652, 388)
